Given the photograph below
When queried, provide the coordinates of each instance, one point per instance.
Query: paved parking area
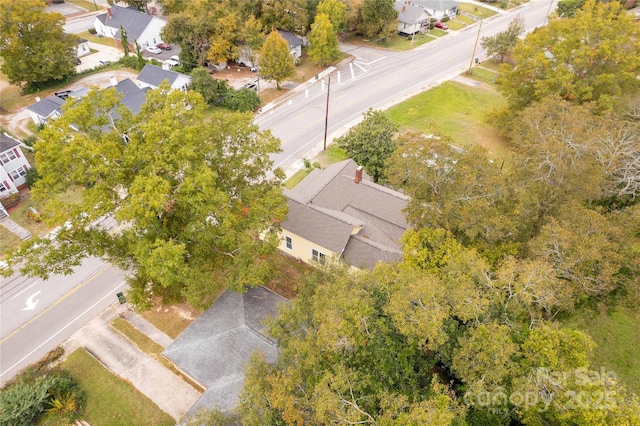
(104, 53)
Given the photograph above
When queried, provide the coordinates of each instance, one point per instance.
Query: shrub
(31, 177)
(24, 403)
(242, 100)
(29, 141)
(92, 31)
(10, 200)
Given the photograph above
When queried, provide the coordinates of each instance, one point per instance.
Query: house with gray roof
(295, 44)
(217, 346)
(340, 213)
(46, 109)
(140, 27)
(152, 76)
(437, 9)
(411, 18)
(132, 96)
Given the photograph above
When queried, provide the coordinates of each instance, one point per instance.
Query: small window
(20, 171)
(2, 188)
(8, 156)
(316, 256)
(289, 243)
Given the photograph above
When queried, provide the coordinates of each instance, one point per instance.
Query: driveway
(104, 53)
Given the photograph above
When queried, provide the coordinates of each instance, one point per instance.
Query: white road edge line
(61, 330)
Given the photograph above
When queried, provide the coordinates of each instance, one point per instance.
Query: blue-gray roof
(7, 142)
(132, 96)
(292, 39)
(154, 75)
(47, 106)
(132, 20)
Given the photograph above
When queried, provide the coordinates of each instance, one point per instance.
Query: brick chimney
(358, 175)
(109, 12)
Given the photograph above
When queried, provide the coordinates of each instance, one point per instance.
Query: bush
(24, 403)
(31, 177)
(132, 62)
(242, 100)
(29, 141)
(10, 200)
(92, 31)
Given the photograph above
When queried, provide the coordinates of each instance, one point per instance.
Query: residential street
(378, 80)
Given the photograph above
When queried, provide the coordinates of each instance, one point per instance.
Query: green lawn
(463, 18)
(397, 42)
(458, 24)
(460, 111)
(85, 4)
(617, 338)
(479, 11)
(111, 400)
(482, 74)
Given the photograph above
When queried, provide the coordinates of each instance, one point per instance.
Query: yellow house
(339, 212)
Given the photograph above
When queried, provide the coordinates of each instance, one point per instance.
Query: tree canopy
(502, 43)
(370, 143)
(593, 56)
(379, 19)
(191, 197)
(34, 46)
(276, 62)
(324, 41)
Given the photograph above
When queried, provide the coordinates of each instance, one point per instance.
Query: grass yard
(482, 74)
(463, 18)
(615, 333)
(171, 319)
(8, 241)
(85, 4)
(111, 400)
(407, 43)
(458, 24)
(479, 11)
(459, 111)
(105, 41)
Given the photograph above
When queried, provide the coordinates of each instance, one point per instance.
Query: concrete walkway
(14, 228)
(167, 390)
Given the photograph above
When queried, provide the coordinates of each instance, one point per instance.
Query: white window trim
(288, 242)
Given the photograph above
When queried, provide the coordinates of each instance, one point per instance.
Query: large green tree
(324, 41)
(379, 19)
(370, 143)
(276, 62)
(33, 46)
(290, 15)
(502, 43)
(335, 11)
(192, 197)
(593, 56)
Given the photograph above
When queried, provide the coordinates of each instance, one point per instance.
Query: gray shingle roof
(132, 96)
(380, 209)
(410, 13)
(154, 75)
(132, 20)
(436, 4)
(47, 106)
(7, 142)
(215, 348)
(292, 39)
(326, 230)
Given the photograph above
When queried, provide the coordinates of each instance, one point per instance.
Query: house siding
(151, 35)
(18, 165)
(301, 247)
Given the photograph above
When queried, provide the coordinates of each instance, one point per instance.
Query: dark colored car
(163, 46)
(441, 25)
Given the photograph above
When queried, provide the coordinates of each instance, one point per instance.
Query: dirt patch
(171, 319)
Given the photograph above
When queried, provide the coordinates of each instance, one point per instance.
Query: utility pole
(474, 48)
(326, 114)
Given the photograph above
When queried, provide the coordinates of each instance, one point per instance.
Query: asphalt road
(36, 316)
(378, 80)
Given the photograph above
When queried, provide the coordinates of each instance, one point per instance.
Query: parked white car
(154, 50)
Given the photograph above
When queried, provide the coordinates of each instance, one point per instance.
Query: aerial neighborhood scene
(319, 212)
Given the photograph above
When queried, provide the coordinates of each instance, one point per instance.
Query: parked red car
(441, 25)
(163, 46)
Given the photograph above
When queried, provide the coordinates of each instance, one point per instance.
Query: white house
(140, 27)
(437, 9)
(295, 44)
(152, 76)
(13, 165)
(46, 109)
(82, 48)
(411, 18)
